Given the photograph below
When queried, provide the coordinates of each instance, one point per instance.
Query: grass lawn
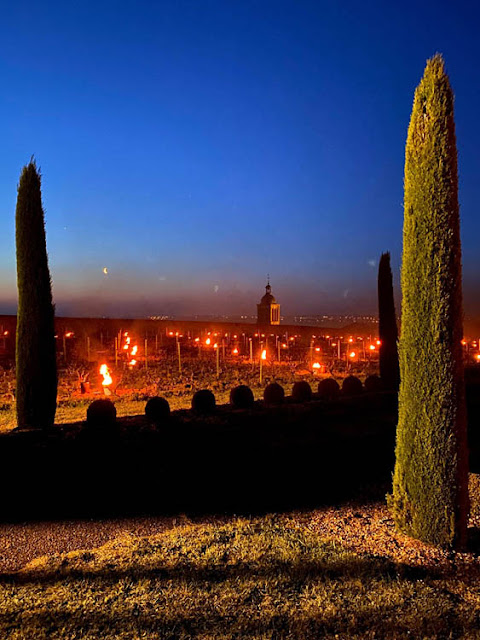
(76, 410)
(340, 572)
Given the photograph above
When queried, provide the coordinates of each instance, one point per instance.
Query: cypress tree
(387, 325)
(430, 483)
(35, 350)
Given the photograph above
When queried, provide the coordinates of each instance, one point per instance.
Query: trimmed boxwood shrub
(157, 410)
(302, 391)
(241, 397)
(352, 386)
(101, 414)
(273, 394)
(328, 389)
(373, 383)
(203, 401)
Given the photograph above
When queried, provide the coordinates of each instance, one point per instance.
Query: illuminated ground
(338, 572)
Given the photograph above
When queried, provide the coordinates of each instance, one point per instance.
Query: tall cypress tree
(35, 350)
(387, 325)
(430, 484)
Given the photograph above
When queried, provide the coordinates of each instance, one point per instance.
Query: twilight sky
(192, 147)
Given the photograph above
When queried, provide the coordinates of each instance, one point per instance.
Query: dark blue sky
(193, 147)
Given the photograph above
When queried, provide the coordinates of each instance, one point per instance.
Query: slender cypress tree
(430, 484)
(35, 350)
(387, 325)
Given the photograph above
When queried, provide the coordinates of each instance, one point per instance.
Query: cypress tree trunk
(35, 350)
(387, 326)
(430, 484)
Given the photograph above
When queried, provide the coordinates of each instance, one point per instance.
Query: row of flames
(131, 351)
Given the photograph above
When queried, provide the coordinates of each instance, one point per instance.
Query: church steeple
(268, 288)
(268, 311)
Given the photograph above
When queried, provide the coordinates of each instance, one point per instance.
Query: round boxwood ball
(157, 410)
(302, 391)
(203, 401)
(102, 414)
(328, 388)
(352, 386)
(273, 393)
(241, 397)
(373, 383)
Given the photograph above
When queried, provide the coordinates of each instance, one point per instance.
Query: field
(134, 385)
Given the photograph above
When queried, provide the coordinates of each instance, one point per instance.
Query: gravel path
(362, 528)
(22, 542)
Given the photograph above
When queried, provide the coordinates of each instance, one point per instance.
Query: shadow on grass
(297, 571)
(349, 596)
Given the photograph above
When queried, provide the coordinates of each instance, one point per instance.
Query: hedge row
(102, 413)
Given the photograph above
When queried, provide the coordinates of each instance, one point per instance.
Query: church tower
(268, 311)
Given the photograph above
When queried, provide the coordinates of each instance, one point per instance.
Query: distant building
(268, 311)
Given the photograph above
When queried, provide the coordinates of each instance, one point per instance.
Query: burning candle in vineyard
(316, 365)
(264, 354)
(107, 379)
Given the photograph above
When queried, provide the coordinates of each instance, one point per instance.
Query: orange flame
(264, 354)
(316, 365)
(107, 378)
(134, 351)
(235, 352)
